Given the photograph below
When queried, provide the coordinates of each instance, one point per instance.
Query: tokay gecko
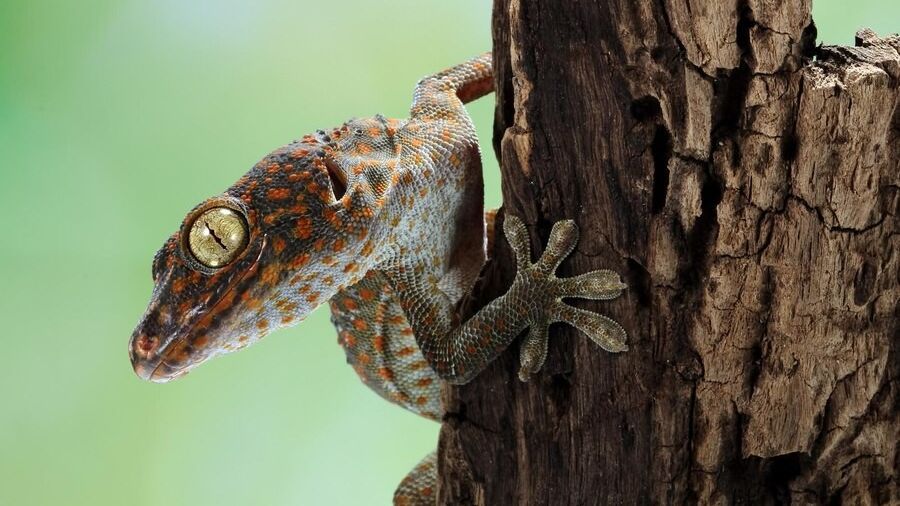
(383, 220)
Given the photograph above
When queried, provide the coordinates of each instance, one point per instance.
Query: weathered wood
(749, 195)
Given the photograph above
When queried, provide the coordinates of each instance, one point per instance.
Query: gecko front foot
(542, 293)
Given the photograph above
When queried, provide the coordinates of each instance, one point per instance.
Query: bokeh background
(116, 117)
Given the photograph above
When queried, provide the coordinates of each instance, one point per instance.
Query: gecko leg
(458, 352)
(598, 285)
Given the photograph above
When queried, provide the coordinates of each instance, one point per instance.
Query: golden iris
(217, 236)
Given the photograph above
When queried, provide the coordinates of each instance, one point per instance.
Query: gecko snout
(149, 362)
(143, 359)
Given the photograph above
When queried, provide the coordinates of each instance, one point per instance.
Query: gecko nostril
(146, 343)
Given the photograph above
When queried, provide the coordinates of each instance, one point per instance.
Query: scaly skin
(383, 219)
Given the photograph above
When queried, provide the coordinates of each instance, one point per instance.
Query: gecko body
(383, 220)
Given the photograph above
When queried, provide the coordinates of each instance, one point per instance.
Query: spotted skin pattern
(383, 220)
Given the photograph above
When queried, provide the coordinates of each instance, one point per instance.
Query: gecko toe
(604, 331)
(533, 351)
(563, 238)
(602, 284)
(517, 236)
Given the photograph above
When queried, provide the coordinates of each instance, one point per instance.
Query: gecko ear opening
(337, 177)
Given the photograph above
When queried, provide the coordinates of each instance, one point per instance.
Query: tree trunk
(746, 185)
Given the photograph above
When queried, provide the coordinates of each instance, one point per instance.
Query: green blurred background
(116, 117)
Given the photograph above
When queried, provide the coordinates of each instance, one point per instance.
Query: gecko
(383, 220)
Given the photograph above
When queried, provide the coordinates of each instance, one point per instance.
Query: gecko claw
(538, 279)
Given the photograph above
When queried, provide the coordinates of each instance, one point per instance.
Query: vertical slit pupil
(214, 236)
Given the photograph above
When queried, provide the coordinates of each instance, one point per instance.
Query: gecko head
(261, 256)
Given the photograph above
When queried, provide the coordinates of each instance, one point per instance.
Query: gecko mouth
(159, 360)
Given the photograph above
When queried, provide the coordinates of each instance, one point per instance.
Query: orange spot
(338, 245)
(270, 274)
(287, 319)
(286, 305)
(178, 285)
(201, 341)
(312, 298)
(421, 400)
(366, 294)
(278, 193)
(399, 397)
(424, 382)
(402, 352)
(351, 267)
(367, 249)
(304, 227)
(386, 373)
(378, 343)
(350, 304)
(279, 244)
(300, 260)
(364, 359)
(262, 324)
(360, 324)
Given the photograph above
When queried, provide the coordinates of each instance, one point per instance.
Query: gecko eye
(217, 236)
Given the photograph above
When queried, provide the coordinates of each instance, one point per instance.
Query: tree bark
(746, 185)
